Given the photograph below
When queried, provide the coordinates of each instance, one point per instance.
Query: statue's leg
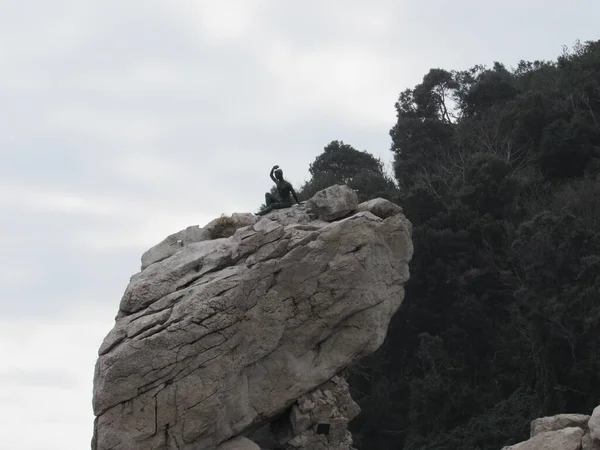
(271, 203)
(269, 199)
(280, 205)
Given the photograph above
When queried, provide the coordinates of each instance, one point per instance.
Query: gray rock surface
(565, 439)
(589, 443)
(238, 443)
(594, 424)
(175, 242)
(549, 432)
(320, 418)
(380, 207)
(225, 335)
(332, 203)
(558, 422)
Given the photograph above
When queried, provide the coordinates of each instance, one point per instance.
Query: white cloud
(222, 19)
(352, 83)
(78, 120)
(147, 167)
(46, 378)
(140, 234)
(59, 202)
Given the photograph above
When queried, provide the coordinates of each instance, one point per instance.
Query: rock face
(589, 443)
(223, 336)
(562, 432)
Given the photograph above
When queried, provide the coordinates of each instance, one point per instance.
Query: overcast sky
(124, 121)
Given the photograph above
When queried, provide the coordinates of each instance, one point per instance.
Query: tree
(424, 126)
(341, 163)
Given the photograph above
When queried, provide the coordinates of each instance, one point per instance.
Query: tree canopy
(341, 163)
(498, 170)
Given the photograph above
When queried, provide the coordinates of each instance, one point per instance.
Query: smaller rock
(173, 243)
(300, 421)
(565, 439)
(338, 429)
(320, 418)
(594, 424)
(558, 422)
(381, 207)
(239, 443)
(226, 226)
(332, 203)
(587, 443)
(223, 226)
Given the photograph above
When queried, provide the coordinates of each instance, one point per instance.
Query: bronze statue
(284, 190)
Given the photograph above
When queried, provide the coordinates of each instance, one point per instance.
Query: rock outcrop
(235, 333)
(562, 432)
(559, 422)
(565, 439)
(594, 424)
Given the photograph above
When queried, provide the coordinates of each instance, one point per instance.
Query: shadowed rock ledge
(236, 332)
(563, 432)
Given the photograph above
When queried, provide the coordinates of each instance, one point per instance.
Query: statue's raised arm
(271, 174)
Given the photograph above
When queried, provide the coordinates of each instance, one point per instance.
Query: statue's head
(279, 174)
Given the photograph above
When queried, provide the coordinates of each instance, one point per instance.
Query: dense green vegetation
(498, 170)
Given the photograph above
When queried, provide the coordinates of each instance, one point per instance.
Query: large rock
(565, 439)
(226, 335)
(333, 203)
(558, 422)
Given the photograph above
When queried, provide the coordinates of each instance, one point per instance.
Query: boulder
(380, 207)
(227, 335)
(565, 439)
(239, 443)
(558, 422)
(332, 203)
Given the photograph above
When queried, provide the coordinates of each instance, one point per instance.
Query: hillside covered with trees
(499, 171)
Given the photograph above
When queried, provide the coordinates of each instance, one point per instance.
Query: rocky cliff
(563, 432)
(235, 334)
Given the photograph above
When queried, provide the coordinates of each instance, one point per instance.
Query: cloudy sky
(124, 121)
